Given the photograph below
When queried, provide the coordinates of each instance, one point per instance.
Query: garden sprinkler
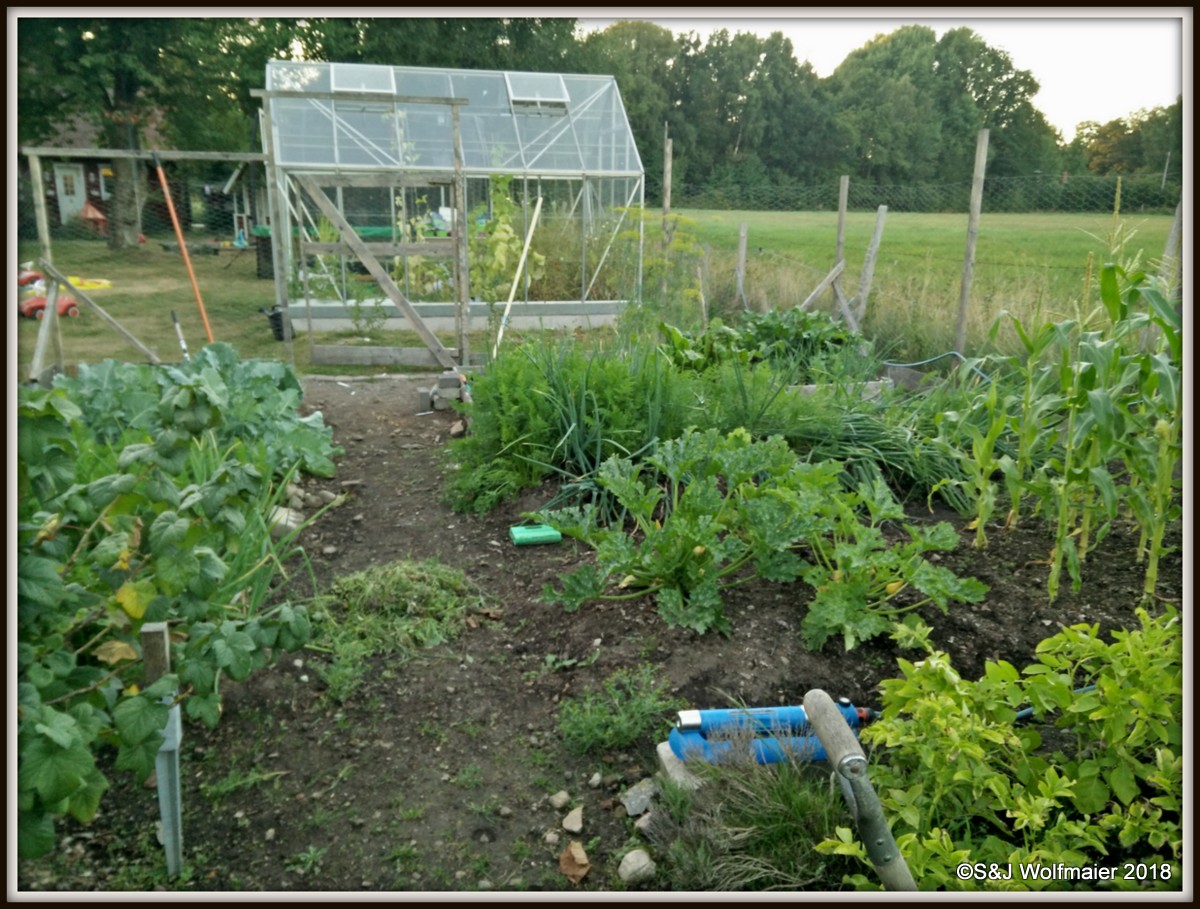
(777, 733)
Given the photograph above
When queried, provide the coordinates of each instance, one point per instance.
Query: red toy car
(35, 307)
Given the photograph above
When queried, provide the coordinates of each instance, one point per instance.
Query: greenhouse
(374, 169)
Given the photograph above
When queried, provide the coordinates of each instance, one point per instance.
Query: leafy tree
(184, 80)
(1162, 138)
(796, 133)
(1114, 148)
(1144, 142)
(643, 58)
(885, 95)
(540, 44)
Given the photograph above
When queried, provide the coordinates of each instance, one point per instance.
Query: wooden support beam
(385, 179)
(49, 337)
(844, 306)
(438, 246)
(825, 283)
(868, 272)
(117, 153)
(89, 302)
(329, 354)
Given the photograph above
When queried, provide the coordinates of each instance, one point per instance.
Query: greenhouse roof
(353, 116)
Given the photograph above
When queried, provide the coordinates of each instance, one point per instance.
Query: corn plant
(982, 463)
(1036, 414)
(1151, 446)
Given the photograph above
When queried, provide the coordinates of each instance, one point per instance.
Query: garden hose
(949, 353)
(1027, 712)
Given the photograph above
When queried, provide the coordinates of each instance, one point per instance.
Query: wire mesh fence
(1147, 193)
(202, 204)
(203, 207)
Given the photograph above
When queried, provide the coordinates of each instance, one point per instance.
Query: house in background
(77, 189)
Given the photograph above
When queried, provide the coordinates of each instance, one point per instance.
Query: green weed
(632, 706)
(308, 861)
(470, 777)
(753, 827)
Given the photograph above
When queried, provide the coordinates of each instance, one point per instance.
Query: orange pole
(162, 178)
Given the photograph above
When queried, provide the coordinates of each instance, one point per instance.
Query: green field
(1035, 265)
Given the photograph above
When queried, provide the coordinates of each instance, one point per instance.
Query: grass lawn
(1034, 265)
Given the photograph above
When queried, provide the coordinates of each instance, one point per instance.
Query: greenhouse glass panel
(490, 141)
(367, 134)
(297, 77)
(304, 131)
(481, 91)
(422, 83)
(427, 135)
(536, 88)
(361, 77)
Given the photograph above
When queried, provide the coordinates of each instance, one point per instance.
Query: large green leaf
(85, 801)
(168, 528)
(139, 718)
(176, 569)
(35, 834)
(139, 758)
(54, 772)
(38, 581)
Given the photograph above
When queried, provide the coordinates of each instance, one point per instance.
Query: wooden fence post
(964, 295)
(743, 237)
(666, 211)
(843, 203)
(868, 272)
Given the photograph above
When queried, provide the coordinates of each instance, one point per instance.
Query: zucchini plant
(709, 511)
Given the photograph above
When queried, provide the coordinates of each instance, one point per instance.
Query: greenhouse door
(363, 251)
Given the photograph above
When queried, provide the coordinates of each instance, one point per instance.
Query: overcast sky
(1092, 64)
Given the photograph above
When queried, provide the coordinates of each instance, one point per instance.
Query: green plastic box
(535, 533)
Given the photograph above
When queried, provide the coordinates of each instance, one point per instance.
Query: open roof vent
(538, 91)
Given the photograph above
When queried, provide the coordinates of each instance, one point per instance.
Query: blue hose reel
(777, 733)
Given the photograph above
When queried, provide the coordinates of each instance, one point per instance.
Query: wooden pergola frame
(47, 355)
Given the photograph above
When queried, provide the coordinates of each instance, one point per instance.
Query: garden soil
(439, 774)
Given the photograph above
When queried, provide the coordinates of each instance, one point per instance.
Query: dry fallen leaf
(573, 862)
(115, 651)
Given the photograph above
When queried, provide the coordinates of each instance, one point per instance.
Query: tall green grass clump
(552, 409)
(632, 706)
(752, 828)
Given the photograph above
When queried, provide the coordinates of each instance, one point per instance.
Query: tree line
(740, 109)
